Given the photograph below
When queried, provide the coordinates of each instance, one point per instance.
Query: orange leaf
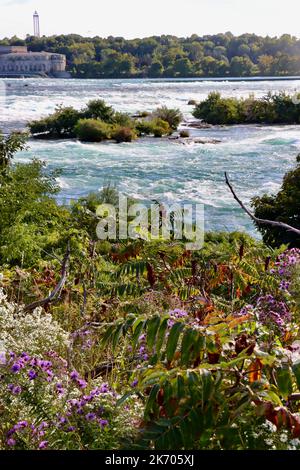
(255, 371)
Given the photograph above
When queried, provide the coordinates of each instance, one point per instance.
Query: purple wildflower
(43, 444)
(16, 368)
(134, 383)
(32, 374)
(90, 417)
(103, 423)
(74, 375)
(11, 442)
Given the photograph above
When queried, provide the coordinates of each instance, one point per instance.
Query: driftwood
(57, 290)
(281, 225)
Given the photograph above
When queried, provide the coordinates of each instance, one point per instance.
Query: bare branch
(281, 225)
(56, 292)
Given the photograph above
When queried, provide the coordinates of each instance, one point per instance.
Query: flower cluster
(84, 336)
(33, 368)
(285, 267)
(273, 312)
(175, 315)
(36, 333)
(24, 431)
(87, 407)
(143, 348)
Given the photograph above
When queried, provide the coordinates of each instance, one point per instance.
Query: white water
(256, 157)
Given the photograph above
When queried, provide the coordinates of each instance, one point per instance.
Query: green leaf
(296, 371)
(161, 335)
(151, 399)
(207, 384)
(173, 340)
(137, 327)
(152, 329)
(188, 341)
(284, 380)
(124, 398)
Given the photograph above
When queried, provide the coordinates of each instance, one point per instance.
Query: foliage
(147, 345)
(30, 218)
(60, 124)
(218, 55)
(172, 116)
(123, 134)
(278, 108)
(98, 109)
(92, 130)
(282, 207)
(184, 134)
(9, 146)
(98, 121)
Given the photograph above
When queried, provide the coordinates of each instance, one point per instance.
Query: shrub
(123, 119)
(143, 114)
(184, 134)
(172, 116)
(98, 109)
(144, 127)
(36, 333)
(123, 134)
(217, 110)
(160, 128)
(60, 124)
(92, 130)
(278, 108)
(192, 103)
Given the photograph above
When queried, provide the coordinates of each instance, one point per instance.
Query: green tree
(282, 207)
(9, 146)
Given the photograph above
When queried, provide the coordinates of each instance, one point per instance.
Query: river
(256, 157)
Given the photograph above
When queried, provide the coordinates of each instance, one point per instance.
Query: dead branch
(282, 225)
(56, 292)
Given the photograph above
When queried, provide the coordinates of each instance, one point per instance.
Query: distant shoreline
(165, 79)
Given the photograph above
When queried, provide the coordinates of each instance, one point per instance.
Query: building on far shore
(17, 61)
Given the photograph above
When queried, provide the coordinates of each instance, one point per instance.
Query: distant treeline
(218, 55)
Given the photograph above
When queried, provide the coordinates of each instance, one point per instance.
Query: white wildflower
(269, 442)
(34, 333)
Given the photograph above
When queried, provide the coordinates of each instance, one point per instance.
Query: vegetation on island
(218, 55)
(142, 344)
(274, 108)
(98, 121)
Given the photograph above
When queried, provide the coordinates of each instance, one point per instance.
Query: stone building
(18, 61)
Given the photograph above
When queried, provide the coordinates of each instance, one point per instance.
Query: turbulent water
(256, 157)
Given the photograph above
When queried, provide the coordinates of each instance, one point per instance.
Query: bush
(143, 114)
(192, 103)
(172, 116)
(184, 134)
(123, 119)
(144, 127)
(60, 124)
(276, 108)
(160, 128)
(92, 130)
(156, 127)
(98, 109)
(123, 134)
(217, 110)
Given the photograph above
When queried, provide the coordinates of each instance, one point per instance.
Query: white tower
(36, 25)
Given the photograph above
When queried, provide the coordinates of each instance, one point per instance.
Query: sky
(142, 18)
